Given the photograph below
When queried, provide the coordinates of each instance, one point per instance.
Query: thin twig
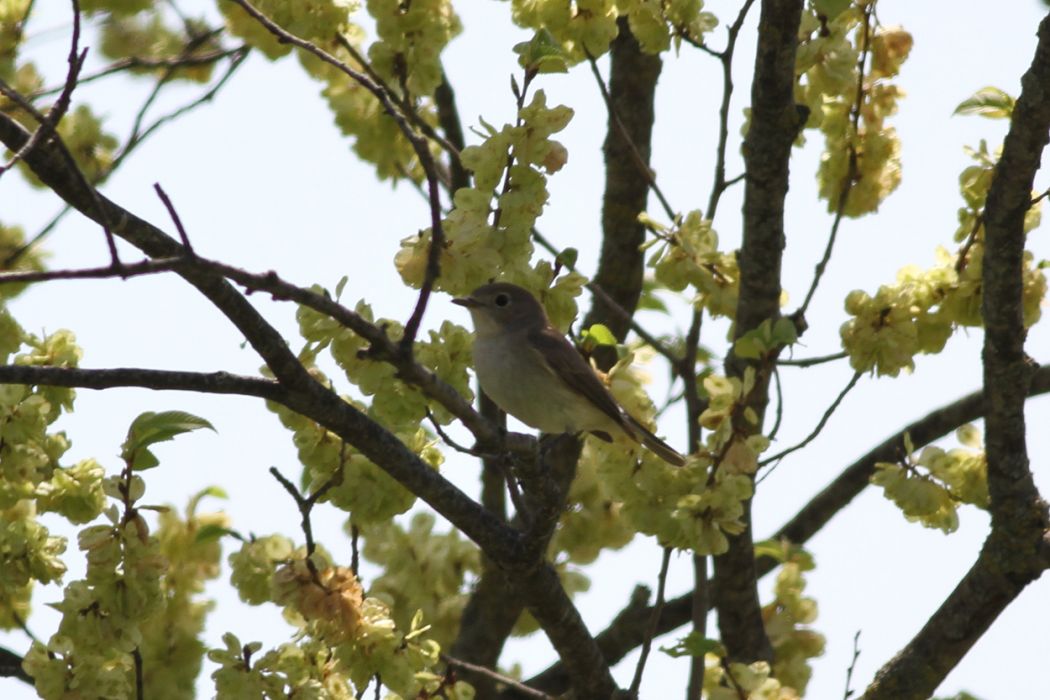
(700, 605)
(146, 267)
(726, 57)
(22, 625)
(305, 506)
(655, 343)
(133, 62)
(816, 431)
(779, 417)
(514, 490)
(698, 45)
(498, 677)
(238, 57)
(853, 171)
(811, 361)
(140, 691)
(645, 171)
(419, 145)
(425, 128)
(138, 134)
(654, 620)
(852, 665)
(355, 551)
(47, 126)
(75, 63)
(175, 219)
(11, 259)
(447, 439)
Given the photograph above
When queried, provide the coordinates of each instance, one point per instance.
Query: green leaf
(767, 337)
(831, 8)
(542, 54)
(784, 552)
(144, 459)
(567, 258)
(989, 102)
(339, 287)
(212, 532)
(600, 335)
(784, 332)
(213, 491)
(489, 129)
(652, 224)
(150, 428)
(694, 645)
(771, 548)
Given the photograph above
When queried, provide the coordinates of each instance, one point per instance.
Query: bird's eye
(502, 300)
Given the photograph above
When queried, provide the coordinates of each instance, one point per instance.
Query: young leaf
(207, 533)
(542, 54)
(150, 428)
(567, 258)
(599, 335)
(990, 102)
(694, 645)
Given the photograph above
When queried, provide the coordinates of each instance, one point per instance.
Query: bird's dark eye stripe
(502, 300)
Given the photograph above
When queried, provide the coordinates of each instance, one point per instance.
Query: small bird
(533, 373)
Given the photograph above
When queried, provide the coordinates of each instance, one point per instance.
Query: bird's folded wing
(571, 368)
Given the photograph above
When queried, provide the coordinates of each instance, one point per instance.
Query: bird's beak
(469, 302)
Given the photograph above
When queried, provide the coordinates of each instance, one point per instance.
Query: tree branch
(726, 58)
(162, 380)
(626, 631)
(767, 150)
(304, 394)
(419, 146)
(853, 170)
(627, 147)
(11, 666)
(577, 649)
(49, 165)
(1016, 551)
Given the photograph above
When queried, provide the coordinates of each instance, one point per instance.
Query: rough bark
(1017, 550)
(628, 139)
(767, 151)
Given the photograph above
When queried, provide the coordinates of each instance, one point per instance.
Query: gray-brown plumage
(533, 373)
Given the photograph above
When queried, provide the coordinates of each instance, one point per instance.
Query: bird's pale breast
(516, 377)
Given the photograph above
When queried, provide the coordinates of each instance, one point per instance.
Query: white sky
(262, 179)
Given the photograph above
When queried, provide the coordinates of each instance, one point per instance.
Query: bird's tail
(660, 448)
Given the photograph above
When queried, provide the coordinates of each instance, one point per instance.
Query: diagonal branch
(382, 348)
(132, 62)
(304, 394)
(626, 631)
(49, 165)
(1017, 550)
(418, 143)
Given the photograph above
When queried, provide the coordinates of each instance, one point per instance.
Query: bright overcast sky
(263, 180)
